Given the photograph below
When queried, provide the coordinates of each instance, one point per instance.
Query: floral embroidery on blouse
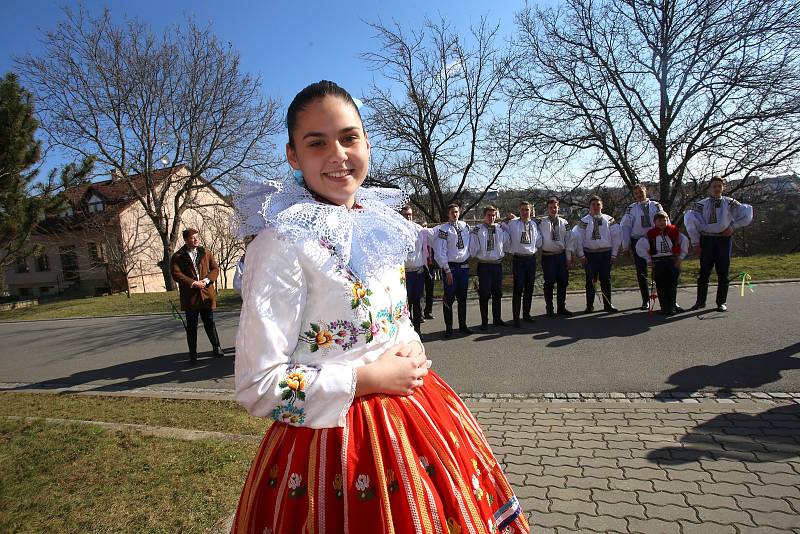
(403, 275)
(292, 388)
(344, 334)
(361, 295)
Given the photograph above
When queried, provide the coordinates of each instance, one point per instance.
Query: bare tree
(221, 240)
(133, 100)
(671, 90)
(448, 129)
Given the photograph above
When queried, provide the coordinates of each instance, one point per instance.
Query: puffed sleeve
(684, 245)
(627, 227)
(693, 220)
(577, 234)
(569, 244)
(474, 243)
(440, 248)
(643, 249)
(539, 237)
(268, 383)
(616, 238)
(237, 276)
(742, 214)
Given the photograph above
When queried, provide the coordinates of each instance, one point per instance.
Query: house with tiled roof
(103, 241)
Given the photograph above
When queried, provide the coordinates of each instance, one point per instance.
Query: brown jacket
(184, 274)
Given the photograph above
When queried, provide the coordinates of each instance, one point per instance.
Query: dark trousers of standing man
(715, 252)
(490, 286)
(666, 275)
(207, 315)
(415, 281)
(598, 265)
(524, 270)
(456, 291)
(554, 268)
(641, 272)
(429, 279)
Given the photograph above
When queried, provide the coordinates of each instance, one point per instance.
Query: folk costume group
(365, 437)
(645, 232)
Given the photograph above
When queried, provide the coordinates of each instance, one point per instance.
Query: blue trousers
(415, 282)
(715, 253)
(457, 291)
(598, 265)
(490, 286)
(554, 268)
(524, 270)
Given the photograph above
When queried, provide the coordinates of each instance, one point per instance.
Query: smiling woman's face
(331, 148)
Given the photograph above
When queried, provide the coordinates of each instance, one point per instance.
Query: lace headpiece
(367, 239)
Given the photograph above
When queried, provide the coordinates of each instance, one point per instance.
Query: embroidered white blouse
(590, 236)
(663, 247)
(308, 319)
(712, 216)
(488, 246)
(638, 219)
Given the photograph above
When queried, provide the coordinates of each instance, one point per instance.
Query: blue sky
(290, 43)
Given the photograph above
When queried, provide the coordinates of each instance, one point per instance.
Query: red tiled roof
(115, 191)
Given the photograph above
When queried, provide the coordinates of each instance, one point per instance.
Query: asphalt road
(754, 346)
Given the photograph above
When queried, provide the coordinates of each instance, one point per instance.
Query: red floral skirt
(401, 464)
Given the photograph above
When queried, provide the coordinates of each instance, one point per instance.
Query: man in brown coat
(195, 271)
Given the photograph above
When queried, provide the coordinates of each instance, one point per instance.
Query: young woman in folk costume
(365, 439)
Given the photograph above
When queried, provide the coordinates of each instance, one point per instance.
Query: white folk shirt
(418, 258)
(712, 216)
(663, 247)
(524, 236)
(307, 319)
(451, 243)
(638, 219)
(556, 237)
(488, 243)
(596, 234)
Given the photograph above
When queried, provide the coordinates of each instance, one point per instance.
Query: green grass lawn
(761, 268)
(82, 478)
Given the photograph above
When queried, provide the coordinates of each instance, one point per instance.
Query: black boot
(496, 315)
(702, 294)
(484, 306)
(605, 287)
(447, 311)
(722, 293)
(515, 309)
(527, 303)
(191, 340)
(548, 300)
(462, 318)
(561, 300)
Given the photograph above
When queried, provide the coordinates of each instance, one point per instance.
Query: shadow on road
(740, 373)
(596, 326)
(155, 371)
(763, 437)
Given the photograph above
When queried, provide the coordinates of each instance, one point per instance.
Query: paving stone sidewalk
(651, 467)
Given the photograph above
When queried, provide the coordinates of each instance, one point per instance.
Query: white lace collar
(368, 238)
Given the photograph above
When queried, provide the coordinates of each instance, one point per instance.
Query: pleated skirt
(418, 464)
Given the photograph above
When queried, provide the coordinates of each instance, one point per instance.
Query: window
(22, 266)
(95, 204)
(42, 263)
(97, 253)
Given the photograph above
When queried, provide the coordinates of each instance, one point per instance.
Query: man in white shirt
(710, 226)
(415, 269)
(597, 241)
(451, 251)
(558, 247)
(487, 244)
(524, 241)
(638, 220)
